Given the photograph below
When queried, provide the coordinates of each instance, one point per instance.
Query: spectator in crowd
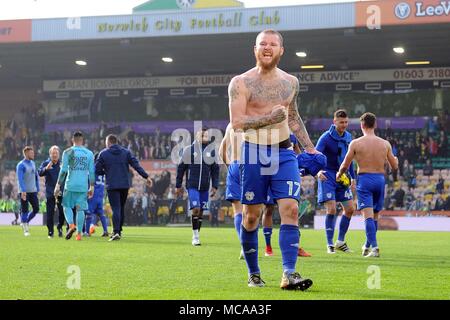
(103, 131)
(398, 196)
(214, 212)
(443, 144)
(432, 146)
(401, 161)
(428, 168)
(444, 119)
(447, 203)
(432, 125)
(440, 186)
(138, 208)
(409, 198)
(404, 169)
(423, 150)
(417, 205)
(389, 131)
(428, 206)
(9, 145)
(410, 150)
(412, 180)
(8, 189)
(439, 203)
(160, 184)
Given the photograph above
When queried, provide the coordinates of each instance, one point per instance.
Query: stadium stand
(423, 180)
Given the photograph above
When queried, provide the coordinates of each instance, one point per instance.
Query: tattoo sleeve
(256, 122)
(296, 123)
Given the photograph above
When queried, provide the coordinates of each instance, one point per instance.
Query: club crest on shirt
(249, 195)
(329, 195)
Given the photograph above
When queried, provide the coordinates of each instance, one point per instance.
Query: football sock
(267, 235)
(237, 223)
(249, 242)
(371, 232)
(329, 228)
(289, 240)
(343, 227)
(80, 220)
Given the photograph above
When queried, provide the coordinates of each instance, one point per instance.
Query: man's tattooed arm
(237, 105)
(256, 122)
(296, 123)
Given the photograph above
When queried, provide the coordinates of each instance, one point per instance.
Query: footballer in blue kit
(263, 105)
(28, 185)
(267, 220)
(371, 153)
(95, 206)
(230, 154)
(199, 165)
(334, 143)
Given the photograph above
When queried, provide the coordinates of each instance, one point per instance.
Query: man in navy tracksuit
(114, 162)
(50, 170)
(200, 164)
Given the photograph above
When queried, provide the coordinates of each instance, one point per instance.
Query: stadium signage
(438, 10)
(137, 83)
(131, 26)
(222, 80)
(418, 74)
(195, 22)
(221, 20)
(403, 12)
(15, 31)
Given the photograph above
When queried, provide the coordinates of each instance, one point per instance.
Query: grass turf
(160, 263)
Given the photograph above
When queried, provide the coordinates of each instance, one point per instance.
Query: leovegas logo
(15, 31)
(443, 8)
(403, 9)
(397, 12)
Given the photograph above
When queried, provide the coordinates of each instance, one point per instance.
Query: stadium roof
(335, 36)
(28, 64)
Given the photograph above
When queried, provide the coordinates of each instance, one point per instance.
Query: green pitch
(160, 263)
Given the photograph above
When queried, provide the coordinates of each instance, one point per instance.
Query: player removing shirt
(371, 153)
(78, 170)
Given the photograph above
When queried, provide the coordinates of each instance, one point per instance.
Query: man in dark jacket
(50, 170)
(114, 162)
(199, 162)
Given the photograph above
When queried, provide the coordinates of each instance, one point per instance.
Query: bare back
(371, 153)
(263, 94)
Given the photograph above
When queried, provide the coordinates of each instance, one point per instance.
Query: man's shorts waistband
(285, 144)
